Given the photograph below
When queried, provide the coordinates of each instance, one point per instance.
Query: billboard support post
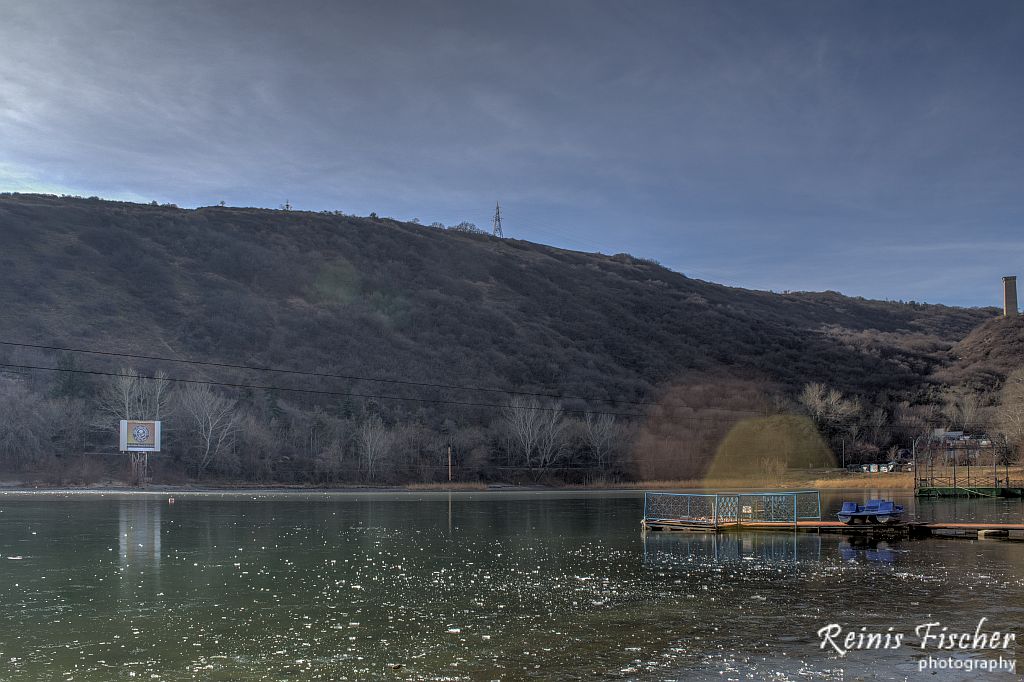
(138, 438)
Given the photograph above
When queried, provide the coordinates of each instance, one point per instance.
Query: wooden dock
(968, 491)
(1013, 531)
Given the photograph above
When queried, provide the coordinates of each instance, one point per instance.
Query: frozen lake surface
(480, 586)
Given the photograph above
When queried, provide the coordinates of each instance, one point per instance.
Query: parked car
(886, 467)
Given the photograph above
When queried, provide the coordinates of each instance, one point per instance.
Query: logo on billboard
(140, 436)
(141, 433)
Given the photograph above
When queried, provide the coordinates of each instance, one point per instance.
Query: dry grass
(690, 484)
(792, 480)
(446, 486)
(897, 480)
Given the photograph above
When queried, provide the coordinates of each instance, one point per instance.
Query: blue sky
(875, 148)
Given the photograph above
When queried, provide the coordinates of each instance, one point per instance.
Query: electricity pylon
(496, 225)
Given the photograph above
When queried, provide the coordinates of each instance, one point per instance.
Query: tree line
(66, 430)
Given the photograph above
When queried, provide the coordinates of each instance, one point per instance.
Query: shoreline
(886, 481)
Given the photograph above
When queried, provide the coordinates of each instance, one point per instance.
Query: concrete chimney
(1010, 296)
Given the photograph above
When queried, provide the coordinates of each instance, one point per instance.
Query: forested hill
(376, 297)
(398, 300)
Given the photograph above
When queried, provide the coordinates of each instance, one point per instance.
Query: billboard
(140, 436)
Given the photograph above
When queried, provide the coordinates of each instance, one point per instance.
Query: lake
(476, 586)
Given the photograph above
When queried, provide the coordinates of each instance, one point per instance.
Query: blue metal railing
(713, 509)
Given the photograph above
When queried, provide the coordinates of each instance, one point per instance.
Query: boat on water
(883, 512)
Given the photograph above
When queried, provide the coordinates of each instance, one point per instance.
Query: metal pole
(449, 463)
(954, 471)
(913, 456)
(794, 513)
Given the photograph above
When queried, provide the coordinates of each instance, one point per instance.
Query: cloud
(785, 145)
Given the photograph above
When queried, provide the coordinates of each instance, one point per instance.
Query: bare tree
(522, 424)
(601, 434)
(827, 407)
(963, 407)
(375, 441)
(1010, 413)
(878, 422)
(552, 441)
(120, 398)
(812, 398)
(258, 445)
(893, 453)
(158, 396)
(129, 396)
(854, 430)
(537, 433)
(23, 425)
(211, 423)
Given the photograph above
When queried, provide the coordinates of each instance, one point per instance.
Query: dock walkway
(790, 511)
(913, 529)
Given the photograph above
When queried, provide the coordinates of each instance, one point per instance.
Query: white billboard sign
(140, 436)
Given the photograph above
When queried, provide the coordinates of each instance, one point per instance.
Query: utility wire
(343, 394)
(327, 375)
(933, 421)
(314, 391)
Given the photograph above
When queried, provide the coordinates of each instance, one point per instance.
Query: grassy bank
(797, 479)
(793, 480)
(468, 486)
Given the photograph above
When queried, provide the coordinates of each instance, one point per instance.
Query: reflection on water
(858, 548)
(665, 549)
(462, 587)
(139, 533)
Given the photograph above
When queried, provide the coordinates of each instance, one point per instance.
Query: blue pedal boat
(875, 511)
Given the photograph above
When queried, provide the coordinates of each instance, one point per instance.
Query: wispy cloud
(793, 146)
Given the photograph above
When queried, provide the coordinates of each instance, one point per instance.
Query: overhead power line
(328, 375)
(314, 391)
(437, 401)
(421, 384)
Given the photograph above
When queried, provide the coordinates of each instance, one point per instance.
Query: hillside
(391, 300)
(987, 355)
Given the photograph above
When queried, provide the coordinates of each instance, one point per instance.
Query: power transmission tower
(496, 225)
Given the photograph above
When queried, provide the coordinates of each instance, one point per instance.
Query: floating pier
(949, 490)
(965, 467)
(797, 511)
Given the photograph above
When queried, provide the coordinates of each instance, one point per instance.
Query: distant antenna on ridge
(496, 225)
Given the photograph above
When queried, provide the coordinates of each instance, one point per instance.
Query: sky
(873, 148)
